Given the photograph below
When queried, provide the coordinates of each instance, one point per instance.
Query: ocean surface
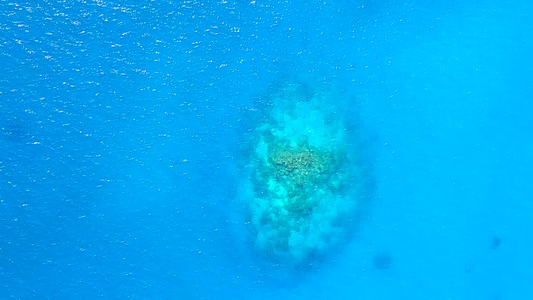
(128, 131)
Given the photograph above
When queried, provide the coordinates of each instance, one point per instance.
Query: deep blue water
(123, 125)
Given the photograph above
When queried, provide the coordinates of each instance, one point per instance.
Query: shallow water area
(306, 180)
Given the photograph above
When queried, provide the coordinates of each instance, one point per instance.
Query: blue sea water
(123, 125)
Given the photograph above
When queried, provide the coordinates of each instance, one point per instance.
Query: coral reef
(302, 176)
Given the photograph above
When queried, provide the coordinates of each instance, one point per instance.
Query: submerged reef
(304, 176)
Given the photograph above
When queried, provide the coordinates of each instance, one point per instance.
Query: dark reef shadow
(14, 130)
